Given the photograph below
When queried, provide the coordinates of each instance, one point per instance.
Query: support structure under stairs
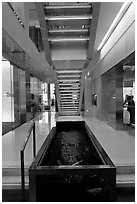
(69, 84)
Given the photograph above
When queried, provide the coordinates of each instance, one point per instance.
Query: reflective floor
(13, 141)
(118, 144)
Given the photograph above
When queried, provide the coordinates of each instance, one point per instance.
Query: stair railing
(32, 127)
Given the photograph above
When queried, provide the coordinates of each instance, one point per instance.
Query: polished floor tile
(119, 145)
(13, 141)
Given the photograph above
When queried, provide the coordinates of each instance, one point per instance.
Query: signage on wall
(94, 99)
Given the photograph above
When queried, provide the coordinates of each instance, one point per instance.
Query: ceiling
(74, 29)
(68, 30)
(71, 32)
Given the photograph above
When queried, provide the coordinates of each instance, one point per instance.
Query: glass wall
(22, 95)
(13, 96)
(16, 94)
(7, 92)
(52, 95)
(118, 95)
(36, 91)
(129, 95)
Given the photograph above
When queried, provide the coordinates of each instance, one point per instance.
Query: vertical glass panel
(129, 95)
(7, 95)
(22, 95)
(16, 95)
(52, 96)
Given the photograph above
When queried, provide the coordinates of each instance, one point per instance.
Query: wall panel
(130, 39)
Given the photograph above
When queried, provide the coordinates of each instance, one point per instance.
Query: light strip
(68, 6)
(56, 18)
(68, 31)
(67, 39)
(120, 14)
(68, 71)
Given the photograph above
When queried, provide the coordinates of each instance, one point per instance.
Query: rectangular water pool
(72, 166)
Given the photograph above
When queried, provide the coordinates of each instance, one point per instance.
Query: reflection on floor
(13, 140)
(111, 140)
(130, 129)
(118, 144)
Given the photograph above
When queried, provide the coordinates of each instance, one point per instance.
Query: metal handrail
(32, 127)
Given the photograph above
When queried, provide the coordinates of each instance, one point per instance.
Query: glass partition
(7, 92)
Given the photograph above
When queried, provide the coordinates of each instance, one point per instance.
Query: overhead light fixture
(68, 6)
(68, 39)
(68, 30)
(79, 17)
(120, 14)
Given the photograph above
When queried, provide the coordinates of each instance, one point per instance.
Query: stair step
(68, 97)
(68, 88)
(71, 95)
(13, 171)
(68, 80)
(14, 182)
(69, 111)
(125, 169)
(67, 102)
(69, 85)
(67, 105)
(125, 180)
(69, 92)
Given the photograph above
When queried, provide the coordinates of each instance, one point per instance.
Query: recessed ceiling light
(68, 39)
(78, 17)
(68, 30)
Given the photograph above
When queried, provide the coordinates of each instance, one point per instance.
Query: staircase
(69, 84)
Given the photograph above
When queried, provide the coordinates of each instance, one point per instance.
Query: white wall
(12, 26)
(119, 46)
(69, 51)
